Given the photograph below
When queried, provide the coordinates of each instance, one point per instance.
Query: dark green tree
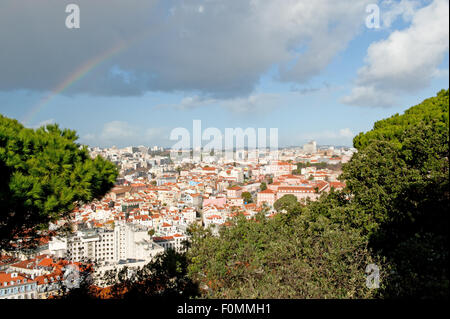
(288, 256)
(44, 175)
(398, 183)
(247, 197)
(288, 203)
(263, 186)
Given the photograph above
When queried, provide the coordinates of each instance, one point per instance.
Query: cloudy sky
(136, 69)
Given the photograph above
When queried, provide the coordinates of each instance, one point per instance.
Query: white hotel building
(126, 241)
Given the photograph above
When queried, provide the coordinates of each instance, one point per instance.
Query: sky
(134, 71)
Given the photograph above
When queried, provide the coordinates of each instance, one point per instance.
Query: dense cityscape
(155, 200)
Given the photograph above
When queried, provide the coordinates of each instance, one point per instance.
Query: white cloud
(392, 10)
(258, 102)
(342, 136)
(370, 96)
(117, 130)
(326, 87)
(344, 133)
(122, 133)
(406, 61)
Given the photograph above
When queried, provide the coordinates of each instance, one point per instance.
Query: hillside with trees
(399, 186)
(393, 212)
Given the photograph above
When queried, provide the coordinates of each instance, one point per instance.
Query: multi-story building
(267, 196)
(15, 286)
(302, 192)
(48, 285)
(234, 192)
(277, 168)
(174, 242)
(126, 241)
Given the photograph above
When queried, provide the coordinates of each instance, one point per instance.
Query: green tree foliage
(288, 256)
(166, 276)
(44, 175)
(263, 186)
(301, 165)
(399, 187)
(432, 111)
(288, 203)
(247, 197)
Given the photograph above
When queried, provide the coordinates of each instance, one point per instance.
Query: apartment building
(15, 286)
(126, 241)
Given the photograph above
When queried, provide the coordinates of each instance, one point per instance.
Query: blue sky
(227, 63)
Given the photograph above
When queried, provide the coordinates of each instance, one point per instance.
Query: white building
(175, 242)
(310, 148)
(126, 241)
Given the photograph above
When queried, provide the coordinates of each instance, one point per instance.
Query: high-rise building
(126, 241)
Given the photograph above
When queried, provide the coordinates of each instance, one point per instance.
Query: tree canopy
(247, 197)
(44, 175)
(399, 187)
(433, 111)
(263, 186)
(289, 256)
(287, 203)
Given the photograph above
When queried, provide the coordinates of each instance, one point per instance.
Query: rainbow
(81, 72)
(73, 78)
